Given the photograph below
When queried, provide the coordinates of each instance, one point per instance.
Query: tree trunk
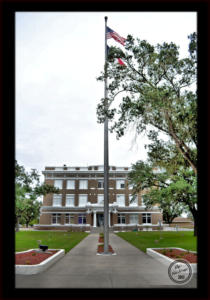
(168, 218)
(195, 218)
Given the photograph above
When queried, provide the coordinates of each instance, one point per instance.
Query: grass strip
(25, 240)
(160, 239)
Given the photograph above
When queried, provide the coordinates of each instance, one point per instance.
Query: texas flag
(119, 59)
(121, 62)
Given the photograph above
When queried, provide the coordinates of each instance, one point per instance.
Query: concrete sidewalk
(82, 268)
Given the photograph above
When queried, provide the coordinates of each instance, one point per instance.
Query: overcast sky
(58, 57)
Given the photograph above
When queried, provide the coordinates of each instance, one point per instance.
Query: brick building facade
(79, 204)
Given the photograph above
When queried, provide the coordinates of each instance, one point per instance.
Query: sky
(59, 55)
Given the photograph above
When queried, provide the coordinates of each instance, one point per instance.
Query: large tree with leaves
(27, 189)
(156, 95)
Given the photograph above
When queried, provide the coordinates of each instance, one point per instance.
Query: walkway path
(82, 268)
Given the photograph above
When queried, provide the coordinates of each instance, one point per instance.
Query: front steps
(99, 229)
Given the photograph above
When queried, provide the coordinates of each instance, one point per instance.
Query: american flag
(112, 34)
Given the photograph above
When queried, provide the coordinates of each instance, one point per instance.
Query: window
(69, 219)
(69, 200)
(134, 219)
(121, 200)
(82, 200)
(70, 185)
(82, 219)
(56, 218)
(58, 183)
(101, 199)
(120, 184)
(83, 184)
(121, 219)
(146, 218)
(133, 200)
(57, 198)
(100, 184)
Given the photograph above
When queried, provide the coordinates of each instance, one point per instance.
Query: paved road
(82, 268)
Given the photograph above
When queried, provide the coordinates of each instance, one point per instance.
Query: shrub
(33, 254)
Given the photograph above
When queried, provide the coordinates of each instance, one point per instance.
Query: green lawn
(159, 239)
(25, 240)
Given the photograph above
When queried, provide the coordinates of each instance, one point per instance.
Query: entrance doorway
(100, 220)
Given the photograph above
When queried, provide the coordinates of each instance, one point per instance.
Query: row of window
(133, 219)
(70, 200)
(83, 184)
(69, 219)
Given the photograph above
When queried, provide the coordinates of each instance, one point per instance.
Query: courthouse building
(80, 202)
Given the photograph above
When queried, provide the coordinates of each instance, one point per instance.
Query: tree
(175, 193)
(30, 210)
(27, 189)
(156, 96)
(165, 200)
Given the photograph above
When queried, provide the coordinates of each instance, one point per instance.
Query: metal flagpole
(106, 158)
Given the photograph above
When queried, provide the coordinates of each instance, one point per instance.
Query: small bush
(33, 254)
(170, 250)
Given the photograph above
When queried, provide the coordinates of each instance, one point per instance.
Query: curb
(166, 260)
(35, 269)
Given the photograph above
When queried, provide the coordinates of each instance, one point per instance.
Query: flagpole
(106, 158)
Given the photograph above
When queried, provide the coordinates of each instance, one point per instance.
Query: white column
(109, 219)
(94, 219)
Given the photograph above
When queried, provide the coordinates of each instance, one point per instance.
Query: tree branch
(180, 144)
